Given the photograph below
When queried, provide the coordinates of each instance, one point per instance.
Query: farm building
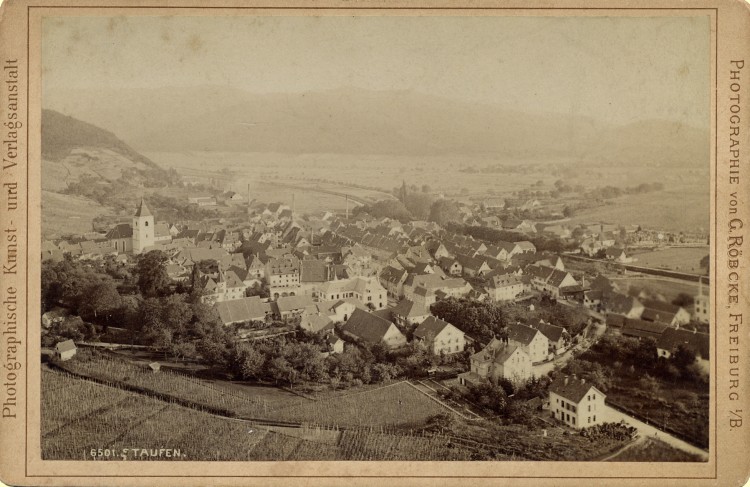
(243, 310)
(65, 350)
(372, 329)
(576, 402)
(407, 312)
(154, 366)
(664, 312)
(672, 339)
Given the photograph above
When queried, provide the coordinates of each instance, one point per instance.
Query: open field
(683, 205)
(685, 259)
(660, 287)
(653, 450)
(685, 208)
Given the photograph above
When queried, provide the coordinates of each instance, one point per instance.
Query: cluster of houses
(641, 317)
(369, 280)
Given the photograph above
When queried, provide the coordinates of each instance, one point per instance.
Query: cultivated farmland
(79, 415)
(685, 259)
(398, 404)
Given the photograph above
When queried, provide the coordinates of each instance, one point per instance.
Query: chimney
(583, 381)
(566, 380)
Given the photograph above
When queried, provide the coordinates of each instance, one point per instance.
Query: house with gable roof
(243, 310)
(698, 343)
(440, 337)
(576, 402)
(673, 315)
(372, 329)
(500, 359)
(531, 340)
(407, 312)
(505, 287)
(392, 279)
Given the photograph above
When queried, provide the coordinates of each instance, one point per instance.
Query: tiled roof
(316, 323)
(65, 346)
(290, 303)
(313, 271)
(699, 343)
(431, 326)
(123, 230)
(575, 389)
(552, 332)
(521, 333)
(496, 351)
(245, 309)
(408, 309)
(367, 326)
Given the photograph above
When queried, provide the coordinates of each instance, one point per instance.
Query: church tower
(143, 228)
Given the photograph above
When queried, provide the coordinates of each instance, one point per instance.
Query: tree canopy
(152, 274)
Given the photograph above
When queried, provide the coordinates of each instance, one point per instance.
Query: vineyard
(79, 415)
(172, 384)
(398, 404)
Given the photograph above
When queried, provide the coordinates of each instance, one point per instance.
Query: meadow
(682, 206)
(685, 259)
(656, 287)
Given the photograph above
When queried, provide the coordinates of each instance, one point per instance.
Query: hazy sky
(616, 69)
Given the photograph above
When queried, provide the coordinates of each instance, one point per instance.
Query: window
(595, 417)
(146, 222)
(589, 419)
(589, 408)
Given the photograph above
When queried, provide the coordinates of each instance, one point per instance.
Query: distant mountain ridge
(356, 121)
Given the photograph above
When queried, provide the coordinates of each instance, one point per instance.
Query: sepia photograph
(376, 238)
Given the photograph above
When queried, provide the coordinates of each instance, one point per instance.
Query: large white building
(576, 402)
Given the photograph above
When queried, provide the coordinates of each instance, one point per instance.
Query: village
(485, 313)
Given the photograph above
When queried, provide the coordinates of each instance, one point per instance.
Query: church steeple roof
(143, 210)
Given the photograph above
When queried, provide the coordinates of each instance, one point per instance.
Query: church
(126, 238)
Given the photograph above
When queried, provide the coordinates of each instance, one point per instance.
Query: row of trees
(147, 303)
(300, 360)
(415, 206)
(480, 320)
(494, 235)
(639, 357)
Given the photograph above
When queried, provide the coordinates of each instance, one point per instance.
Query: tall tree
(153, 279)
(445, 211)
(102, 299)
